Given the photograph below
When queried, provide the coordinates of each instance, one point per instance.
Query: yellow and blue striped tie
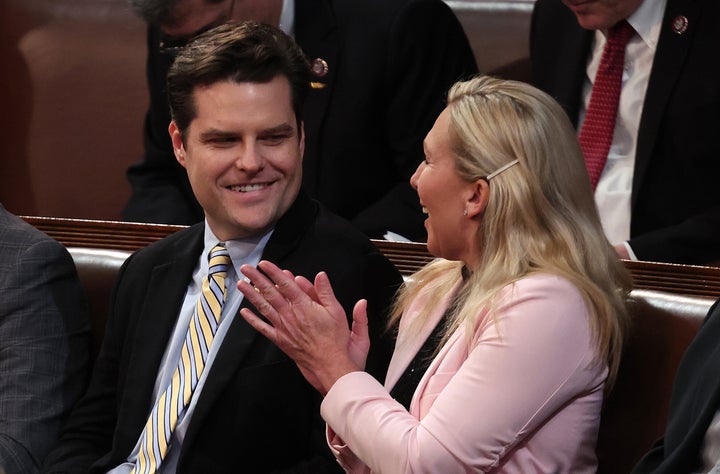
(155, 438)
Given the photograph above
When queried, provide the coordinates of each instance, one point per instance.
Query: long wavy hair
(540, 217)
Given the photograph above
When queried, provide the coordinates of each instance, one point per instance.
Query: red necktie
(597, 130)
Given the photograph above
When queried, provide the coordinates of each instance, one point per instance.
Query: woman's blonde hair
(540, 216)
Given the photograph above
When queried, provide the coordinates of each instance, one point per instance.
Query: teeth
(247, 188)
(424, 210)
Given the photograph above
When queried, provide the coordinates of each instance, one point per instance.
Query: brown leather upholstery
(635, 413)
(73, 94)
(97, 269)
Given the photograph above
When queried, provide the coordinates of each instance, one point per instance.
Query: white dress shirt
(613, 192)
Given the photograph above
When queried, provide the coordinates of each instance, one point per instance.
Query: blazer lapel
(316, 33)
(167, 285)
(668, 63)
(408, 346)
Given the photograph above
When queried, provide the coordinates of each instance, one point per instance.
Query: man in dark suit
(44, 340)
(381, 70)
(236, 96)
(692, 434)
(656, 194)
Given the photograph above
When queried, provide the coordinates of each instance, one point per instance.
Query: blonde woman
(507, 341)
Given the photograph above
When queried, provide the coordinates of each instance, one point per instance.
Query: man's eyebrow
(282, 128)
(216, 133)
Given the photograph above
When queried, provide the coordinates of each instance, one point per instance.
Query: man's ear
(478, 199)
(177, 143)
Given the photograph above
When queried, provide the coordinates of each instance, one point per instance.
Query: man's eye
(275, 139)
(223, 140)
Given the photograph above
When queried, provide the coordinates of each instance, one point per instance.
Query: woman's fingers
(360, 320)
(307, 286)
(284, 283)
(359, 344)
(259, 301)
(326, 296)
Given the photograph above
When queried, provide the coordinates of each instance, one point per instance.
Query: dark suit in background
(675, 209)
(390, 64)
(43, 343)
(255, 413)
(695, 401)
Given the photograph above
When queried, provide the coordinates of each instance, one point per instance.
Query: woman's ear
(177, 143)
(478, 199)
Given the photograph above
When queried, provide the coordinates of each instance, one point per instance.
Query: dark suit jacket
(695, 401)
(675, 206)
(390, 62)
(256, 413)
(44, 338)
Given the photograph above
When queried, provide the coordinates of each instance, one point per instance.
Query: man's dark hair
(239, 52)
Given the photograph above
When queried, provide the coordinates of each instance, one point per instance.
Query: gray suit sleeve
(43, 349)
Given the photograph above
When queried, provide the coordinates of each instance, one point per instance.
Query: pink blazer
(522, 394)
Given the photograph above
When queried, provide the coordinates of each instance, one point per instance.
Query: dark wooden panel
(690, 280)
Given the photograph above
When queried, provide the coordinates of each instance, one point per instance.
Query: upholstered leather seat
(635, 413)
(97, 269)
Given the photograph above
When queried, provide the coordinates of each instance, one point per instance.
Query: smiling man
(182, 384)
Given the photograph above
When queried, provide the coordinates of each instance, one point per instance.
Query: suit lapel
(316, 33)
(576, 45)
(668, 63)
(166, 291)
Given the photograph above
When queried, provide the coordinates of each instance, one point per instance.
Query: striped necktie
(597, 130)
(171, 405)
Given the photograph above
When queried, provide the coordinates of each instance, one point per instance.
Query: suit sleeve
(43, 352)
(427, 53)
(694, 241)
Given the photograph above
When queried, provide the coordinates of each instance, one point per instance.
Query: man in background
(656, 190)
(44, 338)
(381, 69)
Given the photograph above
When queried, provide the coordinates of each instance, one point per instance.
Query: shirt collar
(239, 249)
(647, 21)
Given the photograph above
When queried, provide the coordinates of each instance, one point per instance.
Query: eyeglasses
(500, 170)
(173, 45)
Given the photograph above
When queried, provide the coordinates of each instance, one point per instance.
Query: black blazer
(390, 64)
(695, 401)
(675, 206)
(256, 413)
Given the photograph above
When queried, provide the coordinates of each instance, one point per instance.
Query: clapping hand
(307, 322)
